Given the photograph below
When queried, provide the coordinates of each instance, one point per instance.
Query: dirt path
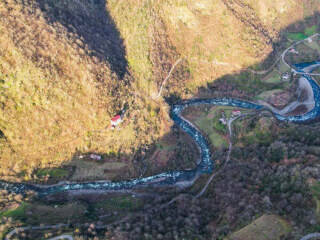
(264, 71)
(17, 230)
(227, 160)
(296, 43)
(164, 81)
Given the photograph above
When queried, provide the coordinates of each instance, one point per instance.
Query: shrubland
(67, 67)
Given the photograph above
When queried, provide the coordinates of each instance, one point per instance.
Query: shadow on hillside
(244, 84)
(225, 86)
(92, 22)
(214, 89)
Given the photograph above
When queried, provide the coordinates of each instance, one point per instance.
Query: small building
(309, 40)
(285, 77)
(223, 114)
(236, 112)
(95, 157)
(223, 121)
(116, 120)
(294, 51)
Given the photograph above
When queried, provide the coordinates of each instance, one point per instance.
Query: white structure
(95, 157)
(309, 40)
(285, 77)
(223, 121)
(116, 120)
(294, 51)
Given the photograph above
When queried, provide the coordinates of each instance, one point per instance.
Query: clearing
(266, 227)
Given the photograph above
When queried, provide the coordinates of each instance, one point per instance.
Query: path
(164, 81)
(68, 237)
(296, 43)
(227, 160)
(311, 235)
(264, 71)
(173, 177)
(16, 230)
(228, 156)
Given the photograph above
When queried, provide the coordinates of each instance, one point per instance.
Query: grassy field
(266, 227)
(53, 173)
(265, 95)
(296, 36)
(121, 203)
(314, 44)
(15, 213)
(90, 170)
(275, 75)
(311, 30)
(35, 213)
(207, 122)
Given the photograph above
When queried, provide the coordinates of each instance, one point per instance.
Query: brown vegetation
(68, 66)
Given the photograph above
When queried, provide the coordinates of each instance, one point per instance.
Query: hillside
(67, 67)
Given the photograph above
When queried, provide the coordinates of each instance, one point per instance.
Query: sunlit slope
(58, 94)
(213, 37)
(67, 67)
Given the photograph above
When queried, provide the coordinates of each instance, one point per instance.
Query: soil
(279, 100)
(298, 111)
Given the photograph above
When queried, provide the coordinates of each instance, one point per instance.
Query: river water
(181, 177)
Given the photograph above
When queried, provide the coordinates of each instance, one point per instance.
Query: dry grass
(267, 227)
(58, 93)
(56, 96)
(212, 40)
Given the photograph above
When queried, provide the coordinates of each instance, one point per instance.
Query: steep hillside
(68, 66)
(63, 76)
(212, 37)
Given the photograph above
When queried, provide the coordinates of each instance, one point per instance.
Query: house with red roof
(116, 120)
(236, 112)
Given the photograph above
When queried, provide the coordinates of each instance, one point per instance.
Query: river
(182, 177)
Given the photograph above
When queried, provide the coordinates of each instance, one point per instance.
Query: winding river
(183, 177)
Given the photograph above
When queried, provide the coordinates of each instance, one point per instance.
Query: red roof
(115, 118)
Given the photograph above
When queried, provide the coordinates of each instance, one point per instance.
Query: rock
(266, 200)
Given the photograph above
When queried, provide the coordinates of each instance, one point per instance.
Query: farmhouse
(294, 51)
(116, 120)
(236, 112)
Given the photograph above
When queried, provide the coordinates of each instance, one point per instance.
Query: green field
(16, 213)
(314, 45)
(302, 35)
(209, 123)
(296, 36)
(266, 94)
(122, 203)
(206, 125)
(266, 227)
(311, 30)
(54, 173)
(275, 75)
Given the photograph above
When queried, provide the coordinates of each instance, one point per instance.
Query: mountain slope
(68, 66)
